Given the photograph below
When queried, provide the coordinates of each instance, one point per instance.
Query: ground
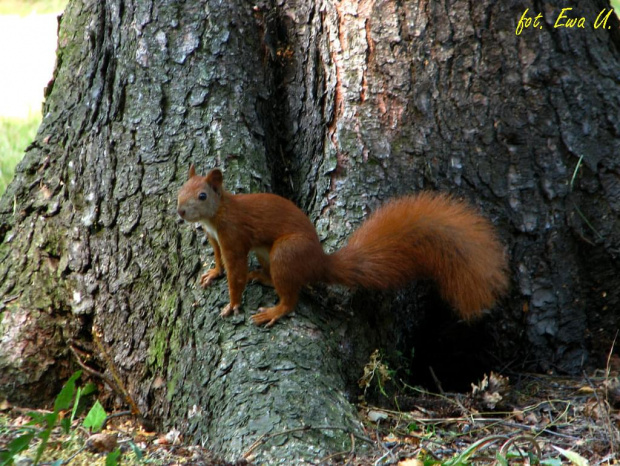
(531, 419)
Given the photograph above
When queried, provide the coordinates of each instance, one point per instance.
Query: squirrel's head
(200, 196)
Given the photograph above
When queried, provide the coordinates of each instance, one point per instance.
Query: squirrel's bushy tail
(427, 235)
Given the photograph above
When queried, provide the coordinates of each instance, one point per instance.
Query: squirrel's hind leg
(287, 279)
(270, 315)
(262, 275)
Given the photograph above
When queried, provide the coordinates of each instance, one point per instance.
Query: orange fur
(421, 236)
(427, 236)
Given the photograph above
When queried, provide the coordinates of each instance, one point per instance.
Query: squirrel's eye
(202, 196)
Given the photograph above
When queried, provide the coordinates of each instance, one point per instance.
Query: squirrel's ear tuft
(192, 171)
(215, 179)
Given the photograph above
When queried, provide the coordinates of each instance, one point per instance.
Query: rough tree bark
(338, 105)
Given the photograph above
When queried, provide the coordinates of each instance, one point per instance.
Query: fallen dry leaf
(102, 443)
(376, 416)
(410, 462)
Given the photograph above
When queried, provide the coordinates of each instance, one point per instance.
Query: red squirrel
(426, 235)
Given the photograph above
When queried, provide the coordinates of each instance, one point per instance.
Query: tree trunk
(337, 105)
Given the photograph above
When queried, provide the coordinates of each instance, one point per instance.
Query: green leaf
(62, 402)
(89, 389)
(136, 450)
(501, 459)
(50, 420)
(65, 423)
(37, 418)
(16, 445)
(551, 462)
(82, 392)
(64, 398)
(78, 395)
(44, 436)
(573, 457)
(112, 458)
(95, 417)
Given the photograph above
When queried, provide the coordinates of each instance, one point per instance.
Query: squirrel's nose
(181, 213)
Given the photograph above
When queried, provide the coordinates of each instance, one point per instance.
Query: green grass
(15, 135)
(28, 7)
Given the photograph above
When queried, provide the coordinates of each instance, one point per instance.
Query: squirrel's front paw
(209, 277)
(230, 309)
